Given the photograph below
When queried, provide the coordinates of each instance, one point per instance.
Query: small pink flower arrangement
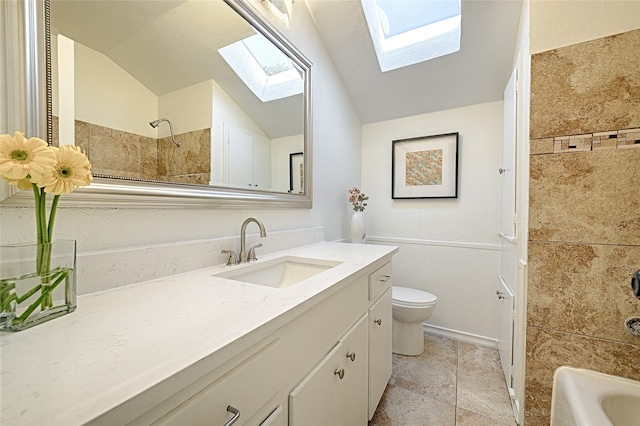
(358, 199)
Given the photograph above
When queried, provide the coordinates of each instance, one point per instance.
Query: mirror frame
(132, 193)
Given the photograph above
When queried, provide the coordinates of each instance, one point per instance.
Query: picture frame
(296, 173)
(425, 167)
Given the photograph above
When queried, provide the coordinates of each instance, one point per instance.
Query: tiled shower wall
(584, 213)
(118, 153)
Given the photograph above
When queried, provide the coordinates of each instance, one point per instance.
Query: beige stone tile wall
(118, 153)
(190, 162)
(584, 214)
(588, 87)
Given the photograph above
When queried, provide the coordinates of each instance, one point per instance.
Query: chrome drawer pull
(339, 373)
(236, 415)
(378, 321)
(385, 278)
(351, 356)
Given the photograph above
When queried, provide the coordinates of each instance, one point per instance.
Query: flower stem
(46, 293)
(39, 213)
(45, 233)
(52, 217)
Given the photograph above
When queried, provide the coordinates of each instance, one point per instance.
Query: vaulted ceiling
(137, 34)
(476, 74)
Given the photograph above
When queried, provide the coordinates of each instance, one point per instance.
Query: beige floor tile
(432, 374)
(481, 385)
(401, 407)
(467, 418)
(452, 384)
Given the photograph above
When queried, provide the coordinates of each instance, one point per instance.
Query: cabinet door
(261, 177)
(356, 357)
(335, 392)
(240, 158)
(380, 355)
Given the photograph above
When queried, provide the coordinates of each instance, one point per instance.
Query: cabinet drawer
(335, 392)
(278, 417)
(379, 281)
(247, 387)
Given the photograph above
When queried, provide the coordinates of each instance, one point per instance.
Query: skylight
(405, 32)
(266, 71)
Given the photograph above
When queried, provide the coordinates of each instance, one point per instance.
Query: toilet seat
(411, 297)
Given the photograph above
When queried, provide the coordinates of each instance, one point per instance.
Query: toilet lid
(412, 296)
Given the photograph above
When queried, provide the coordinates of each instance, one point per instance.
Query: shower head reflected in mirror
(156, 123)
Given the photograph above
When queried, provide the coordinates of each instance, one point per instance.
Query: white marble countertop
(122, 342)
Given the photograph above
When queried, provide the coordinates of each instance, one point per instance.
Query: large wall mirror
(179, 103)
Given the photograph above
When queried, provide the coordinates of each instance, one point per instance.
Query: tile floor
(452, 384)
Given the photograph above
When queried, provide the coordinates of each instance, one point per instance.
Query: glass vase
(37, 283)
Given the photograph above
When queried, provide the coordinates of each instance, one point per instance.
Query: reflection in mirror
(234, 94)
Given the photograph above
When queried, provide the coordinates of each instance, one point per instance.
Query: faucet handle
(252, 253)
(232, 260)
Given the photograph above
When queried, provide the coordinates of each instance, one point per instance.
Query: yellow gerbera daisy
(21, 183)
(72, 169)
(21, 158)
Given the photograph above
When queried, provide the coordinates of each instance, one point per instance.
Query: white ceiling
(476, 74)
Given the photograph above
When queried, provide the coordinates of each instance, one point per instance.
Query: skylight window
(406, 32)
(268, 72)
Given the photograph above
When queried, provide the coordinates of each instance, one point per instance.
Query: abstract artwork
(425, 167)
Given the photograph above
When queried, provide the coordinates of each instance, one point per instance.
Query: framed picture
(425, 167)
(296, 173)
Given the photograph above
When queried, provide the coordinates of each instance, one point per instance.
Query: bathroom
(447, 246)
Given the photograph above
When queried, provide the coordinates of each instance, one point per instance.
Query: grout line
(455, 411)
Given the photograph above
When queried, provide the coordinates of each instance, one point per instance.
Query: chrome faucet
(243, 232)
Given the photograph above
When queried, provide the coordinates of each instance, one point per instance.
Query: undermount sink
(589, 398)
(281, 272)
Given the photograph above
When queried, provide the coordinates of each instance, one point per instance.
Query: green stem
(46, 292)
(45, 233)
(7, 295)
(47, 301)
(36, 194)
(52, 217)
(42, 212)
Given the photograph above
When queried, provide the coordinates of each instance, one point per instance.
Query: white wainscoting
(463, 277)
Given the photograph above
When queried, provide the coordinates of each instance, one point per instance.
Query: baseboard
(462, 336)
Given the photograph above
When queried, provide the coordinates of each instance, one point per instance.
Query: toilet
(410, 308)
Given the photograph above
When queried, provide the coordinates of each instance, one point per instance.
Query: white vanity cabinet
(329, 366)
(320, 398)
(240, 392)
(335, 392)
(380, 336)
(270, 353)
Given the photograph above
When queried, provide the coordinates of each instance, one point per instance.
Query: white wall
(336, 166)
(107, 95)
(448, 247)
(556, 24)
(188, 109)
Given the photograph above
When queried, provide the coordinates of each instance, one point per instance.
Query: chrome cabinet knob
(339, 373)
(351, 356)
(378, 321)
